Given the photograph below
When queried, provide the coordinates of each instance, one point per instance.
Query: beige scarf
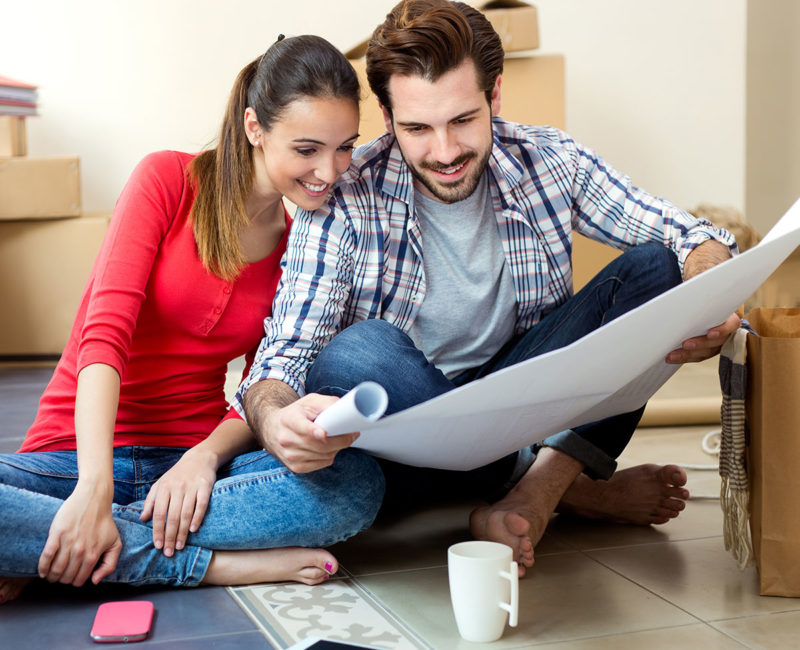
(735, 495)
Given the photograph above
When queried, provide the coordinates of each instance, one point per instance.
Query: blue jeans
(256, 503)
(378, 351)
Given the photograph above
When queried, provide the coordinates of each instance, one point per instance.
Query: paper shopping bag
(773, 425)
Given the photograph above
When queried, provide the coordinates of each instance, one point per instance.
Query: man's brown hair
(429, 38)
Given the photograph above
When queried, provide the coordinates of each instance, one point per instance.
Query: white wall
(773, 110)
(656, 87)
(121, 78)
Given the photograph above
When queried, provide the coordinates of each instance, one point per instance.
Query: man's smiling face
(444, 130)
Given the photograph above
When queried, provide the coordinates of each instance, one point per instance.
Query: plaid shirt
(360, 256)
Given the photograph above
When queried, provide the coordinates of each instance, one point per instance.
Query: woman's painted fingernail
(329, 567)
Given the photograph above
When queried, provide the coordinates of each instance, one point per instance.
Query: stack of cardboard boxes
(47, 247)
(532, 93)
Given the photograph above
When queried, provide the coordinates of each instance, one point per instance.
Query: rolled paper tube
(363, 404)
(681, 411)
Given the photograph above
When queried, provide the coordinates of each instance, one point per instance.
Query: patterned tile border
(341, 609)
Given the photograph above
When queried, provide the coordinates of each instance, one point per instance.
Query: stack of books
(17, 98)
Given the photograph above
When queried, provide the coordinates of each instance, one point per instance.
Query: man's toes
(675, 505)
(663, 512)
(517, 525)
(675, 493)
(672, 475)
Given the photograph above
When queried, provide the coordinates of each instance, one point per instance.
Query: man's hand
(701, 348)
(82, 533)
(177, 502)
(284, 425)
(297, 442)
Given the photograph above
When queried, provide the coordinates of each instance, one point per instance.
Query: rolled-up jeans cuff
(597, 464)
(525, 458)
(198, 568)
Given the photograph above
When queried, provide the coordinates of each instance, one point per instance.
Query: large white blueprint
(615, 369)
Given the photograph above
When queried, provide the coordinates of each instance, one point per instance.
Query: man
(445, 253)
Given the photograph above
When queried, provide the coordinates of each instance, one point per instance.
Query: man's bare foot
(503, 522)
(643, 495)
(308, 565)
(10, 588)
(520, 518)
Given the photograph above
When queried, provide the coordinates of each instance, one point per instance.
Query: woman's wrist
(205, 455)
(97, 487)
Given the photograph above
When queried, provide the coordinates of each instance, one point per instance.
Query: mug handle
(512, 607)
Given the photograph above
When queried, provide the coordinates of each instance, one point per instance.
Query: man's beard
(457, 190)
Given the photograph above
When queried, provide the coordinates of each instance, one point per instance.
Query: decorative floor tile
(341, 609)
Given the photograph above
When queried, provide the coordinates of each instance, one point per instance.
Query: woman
(133, 427)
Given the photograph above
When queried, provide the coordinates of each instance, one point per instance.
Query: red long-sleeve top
(155, 314)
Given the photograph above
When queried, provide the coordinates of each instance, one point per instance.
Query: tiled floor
(593, 585)
(48, 616)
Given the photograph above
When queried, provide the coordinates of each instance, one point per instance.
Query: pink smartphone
(122, 621)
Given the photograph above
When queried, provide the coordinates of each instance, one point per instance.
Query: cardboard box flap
(516, 23)
(12, 136)
(358, 51)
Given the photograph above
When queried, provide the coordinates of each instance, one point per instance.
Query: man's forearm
(261, 401)
(706, 255)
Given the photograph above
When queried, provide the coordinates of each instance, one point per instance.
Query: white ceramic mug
(484, 586)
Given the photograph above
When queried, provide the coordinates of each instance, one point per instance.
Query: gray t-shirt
(470, 307)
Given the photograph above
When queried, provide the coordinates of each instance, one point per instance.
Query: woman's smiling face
(307, 149)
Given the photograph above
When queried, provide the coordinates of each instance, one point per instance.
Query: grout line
(639, 544)
(733, 638)
(199, 637)
(647, 589)
(758, 615)
(725, 634)
(355, 576)
(631, 633)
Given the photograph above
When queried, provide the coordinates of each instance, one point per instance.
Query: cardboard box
(44, 266)
(516, 22)
(589, 257)
(39, 188)
(533, 90)
(13, 141)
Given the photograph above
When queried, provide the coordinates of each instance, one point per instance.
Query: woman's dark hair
(291, 69)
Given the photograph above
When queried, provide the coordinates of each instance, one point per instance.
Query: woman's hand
(82, 533)
(177, 502)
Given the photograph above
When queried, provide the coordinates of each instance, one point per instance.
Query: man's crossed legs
(573, 471)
